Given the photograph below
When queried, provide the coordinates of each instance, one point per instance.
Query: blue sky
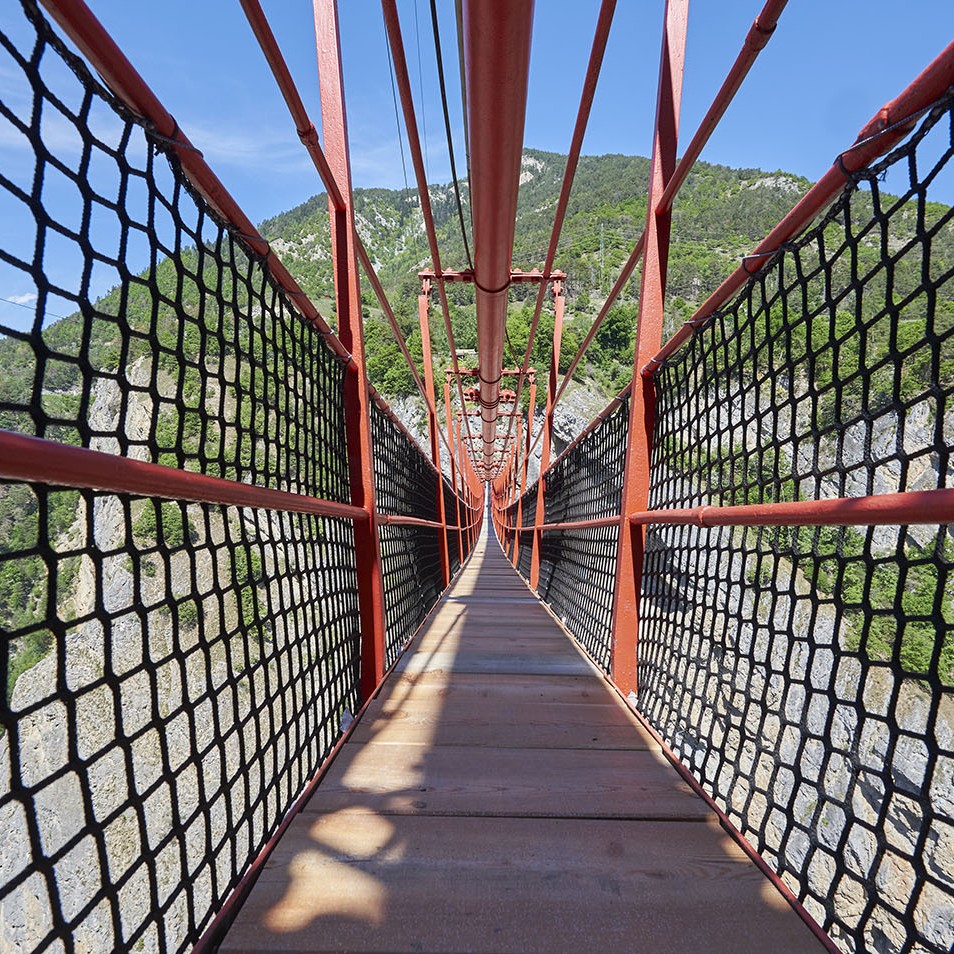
(826, 71)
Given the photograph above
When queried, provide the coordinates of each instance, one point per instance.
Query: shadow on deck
(498, 796)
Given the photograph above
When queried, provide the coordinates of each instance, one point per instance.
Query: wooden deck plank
(351, 882)
(435, 718)
(472, 780)
(498, 796)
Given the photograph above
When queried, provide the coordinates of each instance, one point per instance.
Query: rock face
(833, 761)
(832, 764)
(187, 701)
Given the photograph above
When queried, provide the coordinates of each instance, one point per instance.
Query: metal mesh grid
(173, 673)
(455, 541)
(806, 675)
(578, 567)
(405, 484)
(195, 663)
(529, 515)
(178, 347)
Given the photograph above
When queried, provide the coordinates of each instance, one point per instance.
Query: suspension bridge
(280, 679)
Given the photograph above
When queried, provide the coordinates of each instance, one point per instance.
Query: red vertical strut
(423, 309)
(540, 518)
(523, 471)
(348, 306)
(454, 456)
(652, 293)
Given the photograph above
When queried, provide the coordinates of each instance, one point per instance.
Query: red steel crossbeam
(603, 24)
(392, 26)
(348, 308)
(916, 506)
(497, 63)
(517, 277)
(636, 470)
(887, 128)
(43, 461)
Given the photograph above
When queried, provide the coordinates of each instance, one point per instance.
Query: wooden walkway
(498, 796)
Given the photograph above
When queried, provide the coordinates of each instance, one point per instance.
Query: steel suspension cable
(447, 130)
(397, 114)
(420, 87)
(459, 18)
(393, 26)
(603, 24)
(309, 137)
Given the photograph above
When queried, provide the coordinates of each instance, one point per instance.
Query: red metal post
(540, 519)
(635, 496)
(423, 311)
(515, 474)
(454, 452)
(496, 63)
(526, 463)
(348, 305)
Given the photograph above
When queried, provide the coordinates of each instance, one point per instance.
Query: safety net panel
(406, 484)
(173, 673)
(457, 515)
(578, 566)
(525, 540)
(806, 674)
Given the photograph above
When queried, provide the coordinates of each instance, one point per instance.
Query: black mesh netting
(524, 541)
(406, 485)
(806, 675)
(173, 673)
(578, 567)
(456, 514)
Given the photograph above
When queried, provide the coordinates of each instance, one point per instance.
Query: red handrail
(43, 461)
(912, 507)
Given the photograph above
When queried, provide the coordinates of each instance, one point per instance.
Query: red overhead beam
(887, 128)
(497, 64)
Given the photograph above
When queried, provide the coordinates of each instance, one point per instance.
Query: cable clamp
(172, 140)
(491, 291)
